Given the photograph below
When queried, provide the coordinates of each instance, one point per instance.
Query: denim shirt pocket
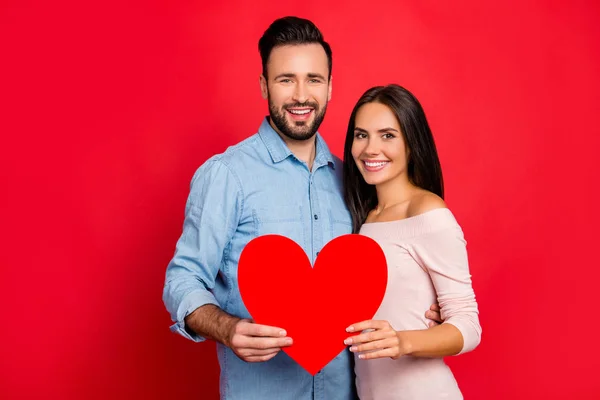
(283, 220)
(340, 222)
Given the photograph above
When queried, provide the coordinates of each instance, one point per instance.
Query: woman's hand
(381, 340)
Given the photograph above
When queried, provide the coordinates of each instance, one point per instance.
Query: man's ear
(329, 93)
(264, 90)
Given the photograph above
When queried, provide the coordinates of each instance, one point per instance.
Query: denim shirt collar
(279, 151)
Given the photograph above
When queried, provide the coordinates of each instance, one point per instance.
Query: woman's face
(378, 147)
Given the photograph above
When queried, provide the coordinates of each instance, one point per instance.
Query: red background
(108, 108)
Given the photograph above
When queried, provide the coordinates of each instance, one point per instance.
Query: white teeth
(299, 112)
(375, 164)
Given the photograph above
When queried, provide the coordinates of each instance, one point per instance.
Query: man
(282, 180)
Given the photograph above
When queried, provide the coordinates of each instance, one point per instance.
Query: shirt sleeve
(212, 214)
(443, 255)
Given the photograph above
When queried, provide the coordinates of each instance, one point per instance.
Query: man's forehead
(303, 58)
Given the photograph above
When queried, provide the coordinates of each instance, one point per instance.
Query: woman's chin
(373, 181)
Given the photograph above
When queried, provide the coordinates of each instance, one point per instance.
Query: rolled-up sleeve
(443, 255)
(212, 213)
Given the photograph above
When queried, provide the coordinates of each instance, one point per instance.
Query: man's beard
(297, 130)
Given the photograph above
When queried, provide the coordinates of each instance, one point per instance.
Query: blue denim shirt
(254, 188)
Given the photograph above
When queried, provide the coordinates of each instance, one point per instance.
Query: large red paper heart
(314, 305)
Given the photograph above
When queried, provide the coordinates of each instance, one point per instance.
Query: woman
(394, 189)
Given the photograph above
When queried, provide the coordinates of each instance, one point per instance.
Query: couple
(284, 180)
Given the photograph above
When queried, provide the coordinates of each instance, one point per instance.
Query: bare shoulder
(424, 201)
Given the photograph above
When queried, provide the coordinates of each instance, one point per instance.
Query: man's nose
(300, 94)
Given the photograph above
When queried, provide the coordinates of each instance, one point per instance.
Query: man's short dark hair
(290, 31)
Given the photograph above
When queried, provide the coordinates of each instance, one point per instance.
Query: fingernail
(361, 356)
(288, 341)
(353, 348)
(350, 329)
(348, 341)
(282, 333)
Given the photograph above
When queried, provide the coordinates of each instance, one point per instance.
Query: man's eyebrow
(292, 75)
(315, 75)
(285, 75)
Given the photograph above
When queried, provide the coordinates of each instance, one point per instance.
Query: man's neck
(304, 150)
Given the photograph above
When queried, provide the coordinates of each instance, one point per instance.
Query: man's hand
(256, 343)
(249, 341)
(434, 315)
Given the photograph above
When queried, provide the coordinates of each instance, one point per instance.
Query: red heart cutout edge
(314, 305)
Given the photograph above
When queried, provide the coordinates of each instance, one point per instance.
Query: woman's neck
(394, 192)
